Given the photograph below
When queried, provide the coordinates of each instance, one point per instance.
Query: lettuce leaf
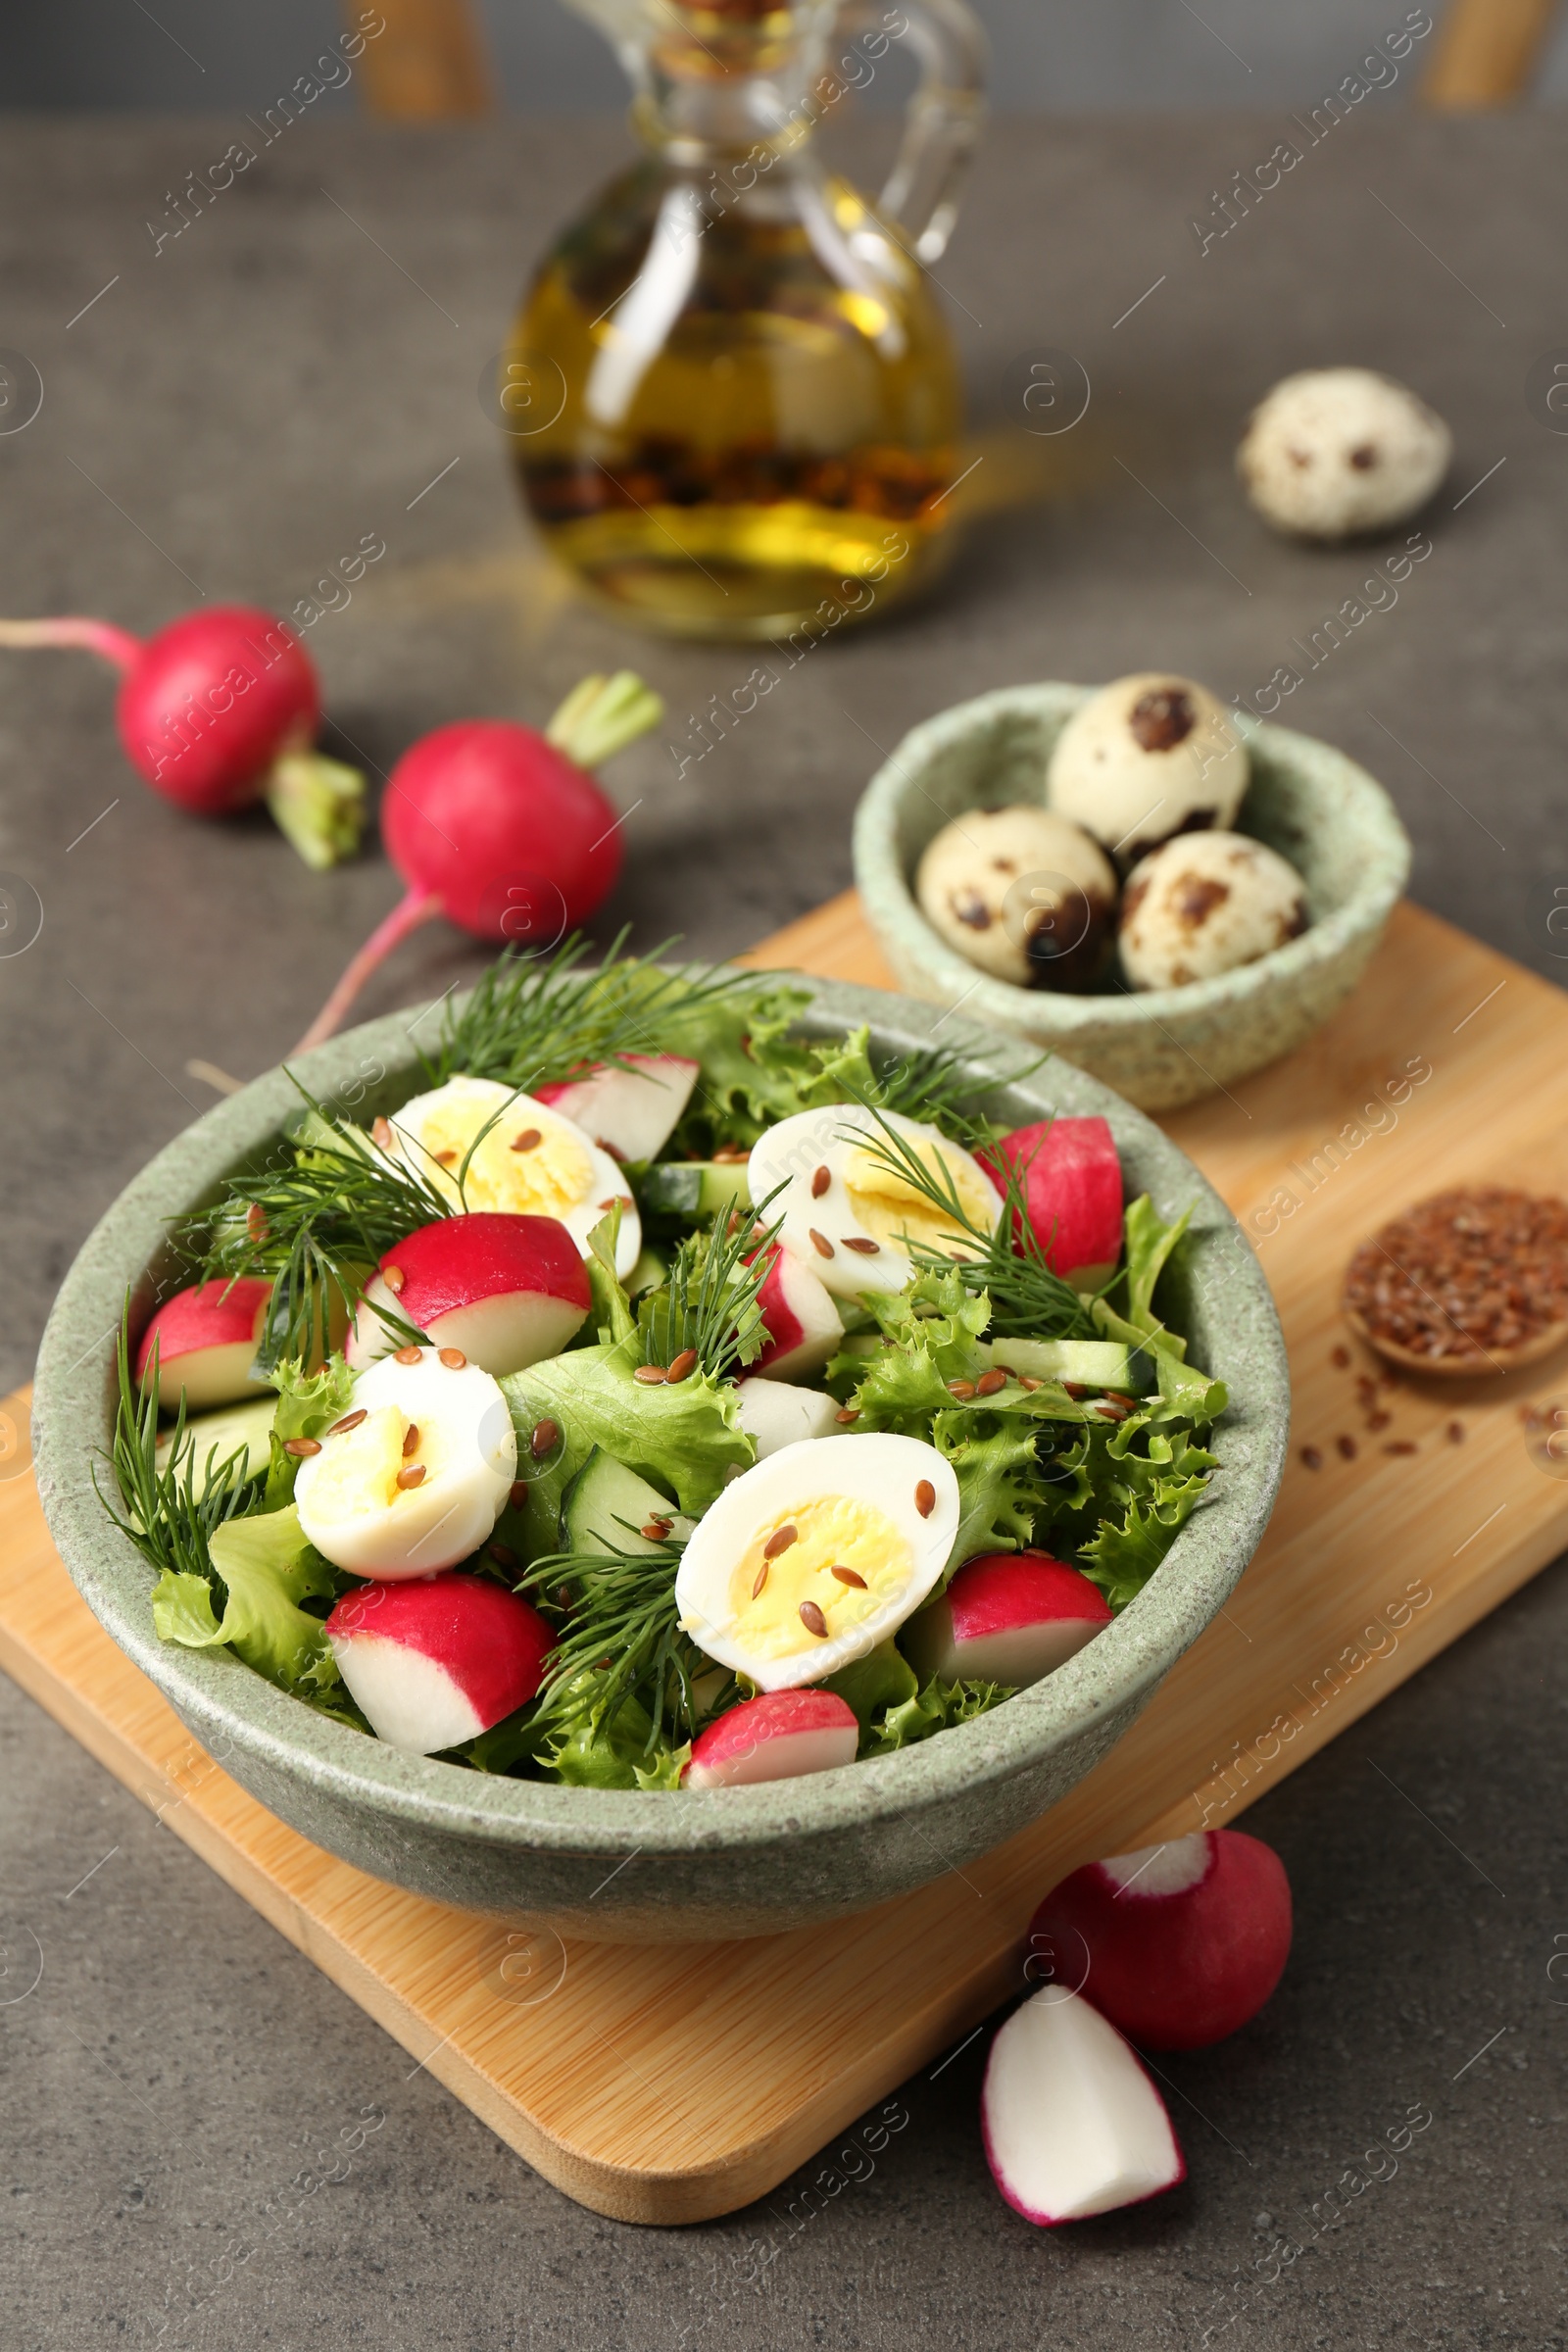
(267, 1568)
(619, 1754)
(308, 1404)
(936, 1708)
(868, 1686)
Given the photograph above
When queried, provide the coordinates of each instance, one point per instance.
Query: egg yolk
(834, 1531)
(358, 1472)
(545, 1178)
(889, 1207)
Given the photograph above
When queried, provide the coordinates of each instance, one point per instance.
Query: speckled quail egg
(852, 1190)
(811, 1558)
(1205, 904)
(1144, 758)
(1022, 894)
(1335, 450)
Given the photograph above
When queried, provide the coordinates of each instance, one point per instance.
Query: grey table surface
(230, 415)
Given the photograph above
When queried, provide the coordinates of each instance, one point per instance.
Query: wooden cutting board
(671, 2082)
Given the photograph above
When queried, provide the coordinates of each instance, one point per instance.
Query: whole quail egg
(1335, 450)
(1022, 894)
(1144, 758)
(1205, 903)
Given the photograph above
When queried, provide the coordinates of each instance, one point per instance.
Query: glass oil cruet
(733, 400)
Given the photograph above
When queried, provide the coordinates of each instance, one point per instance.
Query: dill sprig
(707, 1301)
(1007, 1263)
(620, 1640)
(167, 1517)
(932, 1084)
(529, 1024)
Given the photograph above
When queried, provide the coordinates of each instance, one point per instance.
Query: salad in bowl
(659, 1394)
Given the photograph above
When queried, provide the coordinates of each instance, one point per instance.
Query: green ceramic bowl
(729, 1862)
(1166, 1046)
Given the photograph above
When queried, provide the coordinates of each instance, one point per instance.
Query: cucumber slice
(215, 1436)
(607, 1504)
(1093, 1363)
(695, 1187)
(647, 1274)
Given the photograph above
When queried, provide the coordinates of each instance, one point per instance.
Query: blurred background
(535, 57)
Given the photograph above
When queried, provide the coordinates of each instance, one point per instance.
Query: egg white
(348, 1503)
(819, 1481)
(849, 1233)
(565, 1175)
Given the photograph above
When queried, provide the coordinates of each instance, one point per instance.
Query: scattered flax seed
(347, 1422)
(847, 1576)
(1342, 1357)
(1075, 1390)
(443, 1160)
(731, 1152)
(394, 1278)
(408, 1355)
(1401, 1445)
(528, 1141)
(545, 1435)
(411, 1440)
(656, 1529)
(1311, 1457)
(652, 1376)
(820, 1182)
(1346, 1448)
(963, 1389)
(616, 1201)
(1379, 1419)
(1464, 1276)
(1112, 1408)
(861, 1242)
(683, 1365)
(1454, 1432)
(453, 1359)
(925, 1499)
(256, 1221)
(989, 1383)
(1026, 1380)
(381, 1135)
(412, 1476)
(780, 1541)
(519, 1492)
(813, 1618)
(761, 1579)
(503, 1555)
(820, 1242)
(300, 1447)
(847, 1413)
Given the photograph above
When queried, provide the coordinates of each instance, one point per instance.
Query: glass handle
(946, 113)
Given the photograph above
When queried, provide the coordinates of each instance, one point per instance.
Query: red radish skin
(205, 1337)
(633, 1111)
(1185, 1943)
(775, 1737)
(804, 1326)
(1071, 1177)
(1072, 2125)
(1007, 1617)
(219, 709)
(437, 1660)
(502, 830)
(508, 1291)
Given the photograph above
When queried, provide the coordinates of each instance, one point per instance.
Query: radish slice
(207, 1339)
(438, 1661)
(1072, 1186)
(1185, 1940)
(633, 1111)
(508, 1291)
(773, 1738)
(803, 1324)
(1072, 2124)
(778, 1415)
(1007, 1617)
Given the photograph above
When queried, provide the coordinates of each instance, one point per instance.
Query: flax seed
(349, 1421)
(408, 1355)
(761, 1579)
(453, 1359)
(861, 1242)
(1311, 1458)
(925, 1499)
(652, 1376)
(813, 1618)
(411, 1440)
(846, 1414)
(412, 1476)
(519, 1492)
(963, 1389)
(780, 1541)
(1346, 1448)
(1454, 1432)
(443, 1160)
(820, 1242)
(847, 1576)
(503, 1555)
(1464, 1275)
(300, 1447)
(989, 1383)
(381, 1135)
(1342, 1358)
(394, 1278)
(544, 1437)
(1400, 1445)
(256, 1221)
(1379, 1420)
(683, 1365)
(528, 1141)
(820, 1182)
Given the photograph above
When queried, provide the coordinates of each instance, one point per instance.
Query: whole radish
(501, 829)
(219, 709)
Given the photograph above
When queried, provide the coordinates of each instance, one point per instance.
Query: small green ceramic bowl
(728, 1862)
(1166, 1046)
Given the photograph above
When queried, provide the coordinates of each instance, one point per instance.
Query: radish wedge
(508, 1291)
(438, 1661)
(1007, 1617)
(207, 1338)
(776, 1414)
(1185, 1940)
(803, 1324)
(1071, 1180)
(773, 1738)
(632, 1111)
(1072, 2124)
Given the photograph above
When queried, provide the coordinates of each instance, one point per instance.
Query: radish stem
(319, 804)
(118, 647)
(601, 715)
(418, 907)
